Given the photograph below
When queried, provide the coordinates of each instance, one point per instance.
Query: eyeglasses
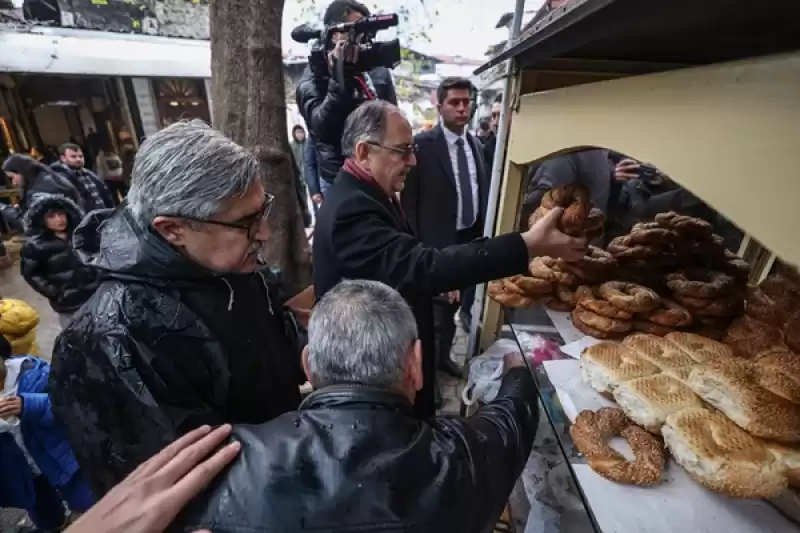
(248, 223)
(405, 151)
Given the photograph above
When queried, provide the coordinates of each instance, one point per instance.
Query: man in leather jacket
(353, 457)
(325, 104)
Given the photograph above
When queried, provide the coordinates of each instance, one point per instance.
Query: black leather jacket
(354, 459)
(325, 106)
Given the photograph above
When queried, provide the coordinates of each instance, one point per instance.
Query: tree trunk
(249, 106)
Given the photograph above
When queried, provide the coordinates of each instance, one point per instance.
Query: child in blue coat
(37, 468)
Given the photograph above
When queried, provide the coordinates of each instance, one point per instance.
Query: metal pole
(497, 176)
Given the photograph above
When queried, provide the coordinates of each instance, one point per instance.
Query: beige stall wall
(728, 132)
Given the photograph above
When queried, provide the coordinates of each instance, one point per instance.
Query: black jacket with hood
(165, 346)
(325, 106)
(47, 182)
(354, 459)
(49, 264)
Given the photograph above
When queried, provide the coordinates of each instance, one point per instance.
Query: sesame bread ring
(573, 295)
(574, 199)
(510, 285)
(505, 298)
(591, 432)
(629, 296)
(534, 287)
(551, 302)
(685, 224)
(590, 331)
(604, 308)
(669, 314)
(597, 259)
(700, 283)
(582, 274)
(601, 323)
(653, 236)
(544, 268)
(652, 328)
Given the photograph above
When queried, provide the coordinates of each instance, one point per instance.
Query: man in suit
(362, 233)
(445, 196)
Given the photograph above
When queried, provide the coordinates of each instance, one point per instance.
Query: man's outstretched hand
(150, 498)
(544, 238)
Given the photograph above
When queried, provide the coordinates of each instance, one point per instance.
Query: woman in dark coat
(50, 265)
(35, 178)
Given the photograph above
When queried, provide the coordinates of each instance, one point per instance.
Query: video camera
(361, 34)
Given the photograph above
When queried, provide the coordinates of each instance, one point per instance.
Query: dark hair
(23, 164)
(499, 98)
(5, 348)
(298, 127)
(69, 146)
(339, 10)
(484, 124)
(452, 83)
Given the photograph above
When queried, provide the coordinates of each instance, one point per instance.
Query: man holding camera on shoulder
(331, 89)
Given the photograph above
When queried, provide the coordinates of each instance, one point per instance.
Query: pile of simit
(732, 423)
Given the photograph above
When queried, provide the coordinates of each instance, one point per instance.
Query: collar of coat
(348, 396)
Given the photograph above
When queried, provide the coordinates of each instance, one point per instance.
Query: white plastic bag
(486, 373)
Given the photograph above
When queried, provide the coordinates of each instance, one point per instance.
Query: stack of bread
(611, 309)
(580, 217)
(733, 424)
(519, 291)
(682, 259)
(772, 316)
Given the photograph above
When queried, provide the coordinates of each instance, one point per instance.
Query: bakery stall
(684, 346)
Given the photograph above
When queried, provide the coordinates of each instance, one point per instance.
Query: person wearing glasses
(363, 233)
(188, 327)
(445, 196)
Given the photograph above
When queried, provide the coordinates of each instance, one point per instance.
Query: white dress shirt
(451, 139)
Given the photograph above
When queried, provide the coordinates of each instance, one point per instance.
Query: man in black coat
(187, 327)
(445, 196)
(353, 457)
(325, 104)
(94, 193)
(362, 232)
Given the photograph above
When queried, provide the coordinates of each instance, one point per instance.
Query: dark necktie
(467, 209)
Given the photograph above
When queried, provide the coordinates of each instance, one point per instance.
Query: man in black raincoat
(187, 327)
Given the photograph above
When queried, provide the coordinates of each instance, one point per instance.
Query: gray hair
(367, 123)
(360, 332)
(188, 169)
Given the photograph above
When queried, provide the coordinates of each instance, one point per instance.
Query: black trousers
(444, 312)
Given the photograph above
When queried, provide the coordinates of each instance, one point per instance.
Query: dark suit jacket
(360, 234)
(430, 197)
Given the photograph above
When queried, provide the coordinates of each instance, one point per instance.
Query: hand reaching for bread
(544, 239)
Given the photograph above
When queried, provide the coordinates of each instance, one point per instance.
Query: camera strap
(367, 87)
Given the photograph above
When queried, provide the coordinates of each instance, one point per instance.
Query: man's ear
(306, 368)
(361, 151)
(415, 365)
(171, 228)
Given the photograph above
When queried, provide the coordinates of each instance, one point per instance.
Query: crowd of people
(174, 397)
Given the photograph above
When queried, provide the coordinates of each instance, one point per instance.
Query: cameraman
(325, 104)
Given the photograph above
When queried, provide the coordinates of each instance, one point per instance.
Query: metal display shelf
(523, 320)
(607, 504)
